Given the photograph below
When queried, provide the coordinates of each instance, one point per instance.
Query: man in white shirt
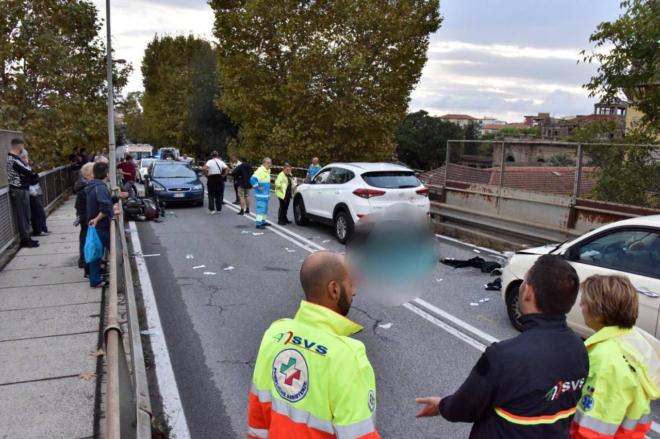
(215, 170)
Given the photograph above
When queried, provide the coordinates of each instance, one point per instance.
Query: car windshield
(391, 179)
(174, 171)
(145, 163)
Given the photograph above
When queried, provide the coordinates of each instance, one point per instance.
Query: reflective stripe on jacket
(260, 181)
(311, 380)
(624, 376)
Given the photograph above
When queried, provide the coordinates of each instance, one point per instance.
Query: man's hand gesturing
(431, 406)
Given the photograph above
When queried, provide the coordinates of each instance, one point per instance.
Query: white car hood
(543, 250)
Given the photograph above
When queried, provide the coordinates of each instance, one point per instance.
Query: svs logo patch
(290, 338)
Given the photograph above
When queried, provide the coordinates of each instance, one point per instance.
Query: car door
(631, 252)
(314, 199)
(338, 191)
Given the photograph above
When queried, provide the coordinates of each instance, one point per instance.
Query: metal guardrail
(128, 408)
(55, 183)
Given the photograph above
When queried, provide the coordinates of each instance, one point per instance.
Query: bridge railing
(128, 406)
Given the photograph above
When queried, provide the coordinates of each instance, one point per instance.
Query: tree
(625, 173)
(632, 63)
(422, 140)
(52, 81)
(180, 85)
(320, 78)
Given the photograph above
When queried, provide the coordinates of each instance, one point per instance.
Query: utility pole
(111, 115)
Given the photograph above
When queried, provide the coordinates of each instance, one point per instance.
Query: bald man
(313, 169)
(311, 379)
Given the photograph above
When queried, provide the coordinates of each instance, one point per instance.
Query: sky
(490, 58)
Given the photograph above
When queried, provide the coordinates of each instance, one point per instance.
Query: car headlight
(198, 187)
(158, 188)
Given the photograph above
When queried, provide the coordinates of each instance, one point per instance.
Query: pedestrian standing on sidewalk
(284, 185)
(235, 163)
(37, 212)
(526, 387)
(313, 169)
(99, 213)
(215, 170)
(260, 181)
(86, 175)
(242, 174)
(20, 176)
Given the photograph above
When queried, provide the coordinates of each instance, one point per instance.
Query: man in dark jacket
(99, 213)
(20, 177)
(241, 175)
(527, 386)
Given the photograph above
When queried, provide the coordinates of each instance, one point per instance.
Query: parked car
(143, 169)
(340, 194)
(174, 182)
(630, 247)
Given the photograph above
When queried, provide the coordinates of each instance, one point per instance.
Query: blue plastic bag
(93, 246)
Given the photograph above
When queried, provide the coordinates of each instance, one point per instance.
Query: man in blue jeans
(99, 212)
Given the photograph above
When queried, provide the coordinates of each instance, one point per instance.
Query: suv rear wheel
(299, 212)
(513, 305)
(343, 226)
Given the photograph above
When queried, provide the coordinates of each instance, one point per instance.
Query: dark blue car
(173, 182)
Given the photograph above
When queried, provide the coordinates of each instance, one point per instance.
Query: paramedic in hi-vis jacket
(260, 181)
(311, 379)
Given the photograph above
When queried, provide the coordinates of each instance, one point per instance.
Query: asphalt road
(213, 318)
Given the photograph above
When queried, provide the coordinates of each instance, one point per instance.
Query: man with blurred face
(260, 181)
(311, 379)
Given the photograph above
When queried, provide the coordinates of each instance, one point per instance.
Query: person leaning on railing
(20, 177)
(86, 175)
(624, 364)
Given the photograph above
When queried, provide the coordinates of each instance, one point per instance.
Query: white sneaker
(214, 212)
(211, 212)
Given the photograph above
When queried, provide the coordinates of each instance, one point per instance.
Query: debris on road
(87, 376)
(228, 268)
(245, 232)
(325, 241)
(438, 280)
(209, 273)
(476, 251)
(190, 257)
(495, 285)
(150, 333)
(385, 325)
(474, 304)
(289, 250)
(257, 233)
(484, 300)
(477, 262)
(197, 267)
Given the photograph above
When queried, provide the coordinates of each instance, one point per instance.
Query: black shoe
(241, 213)
(288, 222)
(247, 210)
(267, 225)
(261, 226)
(81, 263)
(237, 202)
(282, 223)
(30, 243)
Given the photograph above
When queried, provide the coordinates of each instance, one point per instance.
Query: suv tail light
(423, 191)
(368, 193)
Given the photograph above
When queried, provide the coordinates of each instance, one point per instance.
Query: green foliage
(422, 140)
(180, 85)
(52, 80)
(320, 78)
(561, 160)
(629, 57)
(533, 132)
(625, 173)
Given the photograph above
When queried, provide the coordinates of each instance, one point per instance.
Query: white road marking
(445, 315)
(655, 427)
(450, 329)
(165, 374)
(151, 256)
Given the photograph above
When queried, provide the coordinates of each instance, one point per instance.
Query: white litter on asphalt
(190, 257)
(438, 280)
(325, 241)
(289, 250)
(484, 300)
(209, 273)
(257, 233)
(197, 267)
(148, 333)
(474, 304)
(475, 250)
(245, 232)
(385, 325)
(230, 268)
(151, 255)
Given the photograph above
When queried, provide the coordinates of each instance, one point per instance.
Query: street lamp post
(111, 115)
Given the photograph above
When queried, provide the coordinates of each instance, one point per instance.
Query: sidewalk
(49, 327)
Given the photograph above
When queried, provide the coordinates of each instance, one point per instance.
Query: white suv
(340, 194)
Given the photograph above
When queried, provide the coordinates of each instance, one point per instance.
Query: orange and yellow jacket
(311, 380)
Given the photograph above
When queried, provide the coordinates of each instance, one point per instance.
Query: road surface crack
(375, 324)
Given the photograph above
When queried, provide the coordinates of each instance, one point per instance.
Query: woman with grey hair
(37, 212)
(86, 175)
